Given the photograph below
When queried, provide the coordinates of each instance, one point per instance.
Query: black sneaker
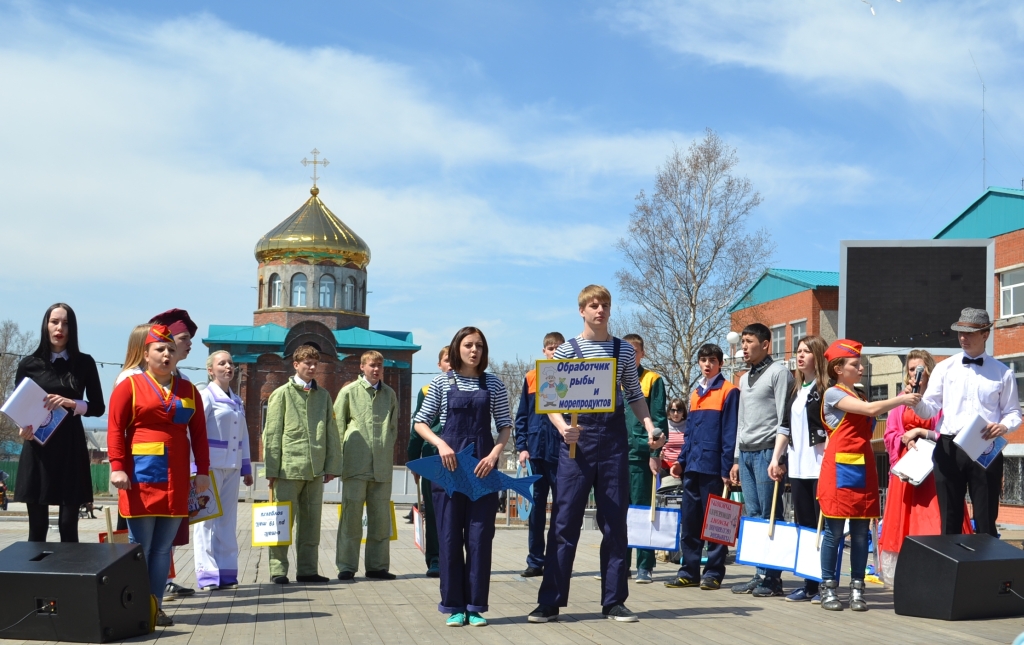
(313, 578)
(748, 586)
(346, 575)
(280, 580)
(769, 587)
(681, 582)
(532, 572)
(543, 614)
(710, 584)
(381, 575)
(620, 613)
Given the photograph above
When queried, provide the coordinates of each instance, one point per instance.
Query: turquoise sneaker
(458, 619)
(476, 620)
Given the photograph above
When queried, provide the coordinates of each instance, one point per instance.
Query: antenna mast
(984, 163)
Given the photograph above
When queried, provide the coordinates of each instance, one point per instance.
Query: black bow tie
(977, 361)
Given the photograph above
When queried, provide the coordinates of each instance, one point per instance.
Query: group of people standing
(166, 437)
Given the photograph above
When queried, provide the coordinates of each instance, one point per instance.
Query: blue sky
(489, 153)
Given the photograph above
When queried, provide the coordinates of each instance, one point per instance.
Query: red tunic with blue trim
(150, 433)
(848, 484)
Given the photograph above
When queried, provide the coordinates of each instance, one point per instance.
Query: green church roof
(998, 211)
(274, 335)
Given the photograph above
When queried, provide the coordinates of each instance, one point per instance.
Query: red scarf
(911, 420)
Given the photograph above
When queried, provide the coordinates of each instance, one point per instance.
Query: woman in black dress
(58, 473)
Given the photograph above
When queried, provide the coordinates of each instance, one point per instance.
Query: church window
(274, 297)
(327, 292)
(299, 290)
(350, 295)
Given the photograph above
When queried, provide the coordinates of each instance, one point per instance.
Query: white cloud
(919, 49)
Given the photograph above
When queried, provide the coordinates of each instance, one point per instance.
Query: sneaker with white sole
(620, 613)
(644, 577)
(174, 591)
(543, 614)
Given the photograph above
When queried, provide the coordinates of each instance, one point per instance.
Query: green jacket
(368, 421)
(653, 387)
(301, 440)
(417, 446)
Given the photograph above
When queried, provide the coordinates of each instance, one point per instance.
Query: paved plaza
(404, 611)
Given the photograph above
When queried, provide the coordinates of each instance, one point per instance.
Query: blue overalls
(601, 463)
(465, 529)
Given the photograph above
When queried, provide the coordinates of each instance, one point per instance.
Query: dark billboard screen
(908, 296)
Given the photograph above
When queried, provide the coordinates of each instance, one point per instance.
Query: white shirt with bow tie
(963, 390)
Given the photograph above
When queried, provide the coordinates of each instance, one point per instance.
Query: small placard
(581, 385)
(394, 522)
(271, 524)
(756, 549)
(660, 535)
(721, 520)
(417, 529)
(808, 555)
(205, 505)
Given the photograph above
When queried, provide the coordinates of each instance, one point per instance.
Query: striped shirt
(436, 400)
(626, 373)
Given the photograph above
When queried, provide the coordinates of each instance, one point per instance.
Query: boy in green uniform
(642, 463)
(367, 414)
(302, 451)
(419, 448)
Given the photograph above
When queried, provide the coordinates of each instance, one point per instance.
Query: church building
(312, 286)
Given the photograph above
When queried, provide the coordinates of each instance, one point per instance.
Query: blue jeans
(831, 541)
(155, 534)
(757, 493)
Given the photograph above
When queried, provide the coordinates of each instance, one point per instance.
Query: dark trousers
(601, 463)
(430, 546)
(955, 475)
(805, 510)
(39, 522)
(466, 533)
(538, 516)
(696, 488)
(641, 480)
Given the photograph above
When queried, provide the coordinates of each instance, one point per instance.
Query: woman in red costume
(909, 509)
(848, 484)
(154, 421)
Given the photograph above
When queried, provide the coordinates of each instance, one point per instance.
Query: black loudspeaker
(89, 593)
(959, 577)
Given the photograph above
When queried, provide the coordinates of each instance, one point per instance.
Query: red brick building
(311, 290)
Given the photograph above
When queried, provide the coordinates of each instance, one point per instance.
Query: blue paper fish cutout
(465, 481)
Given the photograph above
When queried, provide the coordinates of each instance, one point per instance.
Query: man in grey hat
(965, 385)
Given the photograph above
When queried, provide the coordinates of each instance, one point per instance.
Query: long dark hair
(44, 349)
(455, 356)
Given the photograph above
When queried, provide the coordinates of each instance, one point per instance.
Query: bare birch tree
(689, 255)
(512, 374)
(14, 345)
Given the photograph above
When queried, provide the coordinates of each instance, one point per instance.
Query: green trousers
(307, 498)
(641, 479)
(431, 549)
(377, 498)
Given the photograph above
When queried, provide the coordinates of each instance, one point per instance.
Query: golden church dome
(315, 234)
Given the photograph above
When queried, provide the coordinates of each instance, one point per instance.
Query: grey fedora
(972, 319)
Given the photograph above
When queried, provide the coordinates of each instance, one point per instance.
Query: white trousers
(216, 541)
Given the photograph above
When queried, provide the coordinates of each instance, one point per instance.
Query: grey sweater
(762, 407)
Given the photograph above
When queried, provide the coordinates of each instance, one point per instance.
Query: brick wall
(289, 317)
(806, 304)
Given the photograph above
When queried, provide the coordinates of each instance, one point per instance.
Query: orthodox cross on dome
(314, 163)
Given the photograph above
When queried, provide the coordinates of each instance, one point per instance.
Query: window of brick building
(799, 332)
(879, 392)
(779, 342)
(1017, 365)
(1011, 293)
(274, 297)
(299, 283)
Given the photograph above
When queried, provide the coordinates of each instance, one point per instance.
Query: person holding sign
(302, 452)
(418, 448)
(800, 444)
(155, 420)
(216, 545)
(538, 443)
(704, 465)
(965, 386)
(467, 398)
(848, 484)
(763, 393)
(367, 415)
(595, 455)
(57, 472)
(643, 458)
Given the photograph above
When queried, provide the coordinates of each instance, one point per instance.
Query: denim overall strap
(469, 418)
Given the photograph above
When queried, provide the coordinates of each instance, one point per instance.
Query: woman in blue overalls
(467, 399)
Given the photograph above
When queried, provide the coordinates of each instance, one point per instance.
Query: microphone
(917, 378)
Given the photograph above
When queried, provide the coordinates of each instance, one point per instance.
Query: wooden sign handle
(654, 497)
(572, 446)
(725, 491)
(775, 498)
(110, 527)
(271, 489)
(821, 521)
